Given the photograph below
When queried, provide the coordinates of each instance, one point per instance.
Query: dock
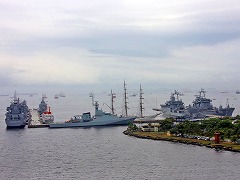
(36, 121)
(139, 121)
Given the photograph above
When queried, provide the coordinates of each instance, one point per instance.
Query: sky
(100, 43)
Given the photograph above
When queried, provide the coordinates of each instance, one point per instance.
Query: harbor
(102, 148)
(201, 108)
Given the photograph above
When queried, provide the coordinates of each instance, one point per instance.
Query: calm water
(104, 153)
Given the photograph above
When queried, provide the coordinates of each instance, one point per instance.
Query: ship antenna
(141, 101)
(125, 99)
(204, 93)
(15, 99)
(177, 93)
(227, 103)
(92, 96)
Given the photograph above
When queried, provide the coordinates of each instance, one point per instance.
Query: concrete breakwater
(209, 144)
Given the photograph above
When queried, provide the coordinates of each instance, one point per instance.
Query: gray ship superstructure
(45, 112)
(202, 105)
(18, 113)
(174, 107)
(42, 106)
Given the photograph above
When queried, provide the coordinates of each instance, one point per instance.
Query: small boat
(133, 95)
(4, 95)
(56, 96)
(44, 96)
(61, 94)
(237, 92)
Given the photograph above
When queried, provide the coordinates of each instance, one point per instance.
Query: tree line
(228, 127)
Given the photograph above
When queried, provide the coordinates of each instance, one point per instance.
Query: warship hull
(203, 105)
(96, 122)
(223, 112)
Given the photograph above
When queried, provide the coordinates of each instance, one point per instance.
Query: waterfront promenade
(228, 146)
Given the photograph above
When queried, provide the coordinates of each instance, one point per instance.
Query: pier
(36, 121)
(139, 121)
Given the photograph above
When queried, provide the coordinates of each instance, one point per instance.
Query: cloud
(89, 42)
(49, 68)
(67, 66)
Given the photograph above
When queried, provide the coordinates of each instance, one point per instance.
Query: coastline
(163, 137)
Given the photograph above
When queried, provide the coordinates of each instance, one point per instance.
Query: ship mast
(141, 101)
(15, 99)
(95, 104)
(112, 101)
(125, 99)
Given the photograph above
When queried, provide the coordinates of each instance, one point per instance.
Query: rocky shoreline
(208, 144)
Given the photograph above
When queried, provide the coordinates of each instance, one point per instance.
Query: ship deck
(36, 122)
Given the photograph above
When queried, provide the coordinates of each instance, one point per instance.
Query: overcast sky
(158, 43)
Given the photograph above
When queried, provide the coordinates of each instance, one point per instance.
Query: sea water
(105, 152)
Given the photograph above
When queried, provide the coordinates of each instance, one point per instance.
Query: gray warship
(18, 113)
(100, 118)
(174, 107)
(203, 106)
(42, 106)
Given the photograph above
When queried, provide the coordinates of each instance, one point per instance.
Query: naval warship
(100, 118)
(42, 106)
(174, 107)
(203, 105)
(18, 113)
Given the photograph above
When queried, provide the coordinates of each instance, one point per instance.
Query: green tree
(132, 127)
(237, 130)
(166, 124)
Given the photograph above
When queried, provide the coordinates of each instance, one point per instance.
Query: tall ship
(18, 113)
(100, 118)
(174, 107)
(142, 118)
(203, 105)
